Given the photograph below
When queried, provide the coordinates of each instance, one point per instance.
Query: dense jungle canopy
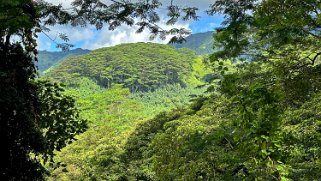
(249, 110)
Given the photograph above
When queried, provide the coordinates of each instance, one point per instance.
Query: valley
(160, 90)
(116, 90)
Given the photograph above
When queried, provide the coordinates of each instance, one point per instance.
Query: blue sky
(206, 23)
(90, 38)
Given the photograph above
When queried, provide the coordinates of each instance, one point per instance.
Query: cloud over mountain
(89, 38)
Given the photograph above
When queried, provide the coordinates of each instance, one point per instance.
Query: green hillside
(139, 66)
(201, 43)
(257, 120)
(151, 118)
(250, 110)
(229, 134)
(47, 59)
(117, 88)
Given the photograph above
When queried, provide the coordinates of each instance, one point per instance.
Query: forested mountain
(151, 112)
(259, 120)
(201, 43)
(138, 66)
(257, 110)
(46, 59)
(116, 88)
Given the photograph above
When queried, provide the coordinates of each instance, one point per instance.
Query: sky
(90, 38)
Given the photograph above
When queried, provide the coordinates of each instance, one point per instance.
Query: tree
(36, 118)
(269, 29)
(232, 38)
(282, 38)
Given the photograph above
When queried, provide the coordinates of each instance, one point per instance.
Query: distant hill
(46, 59)
(137, 66)
(201, 43)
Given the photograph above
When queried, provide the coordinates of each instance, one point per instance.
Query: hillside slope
(138, 66)
(46, 59)
(250, 130)
(201, 43)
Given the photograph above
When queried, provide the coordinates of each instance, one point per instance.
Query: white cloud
(44, 45)
(64, 3)
(73, 33)
(90, 38)
(124, 34)
(202, 4)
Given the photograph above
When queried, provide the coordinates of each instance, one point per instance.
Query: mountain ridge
(47, 59)
(137, 66)
(201, 43)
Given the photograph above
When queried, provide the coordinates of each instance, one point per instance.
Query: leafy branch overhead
(268, 29)
(143, 14)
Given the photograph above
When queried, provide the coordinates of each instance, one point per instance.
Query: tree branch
(312, 60)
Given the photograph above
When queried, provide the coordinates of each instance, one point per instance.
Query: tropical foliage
(149, 118)
(139, 67)
(25, 134)
(113, 115)
(260, 121)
